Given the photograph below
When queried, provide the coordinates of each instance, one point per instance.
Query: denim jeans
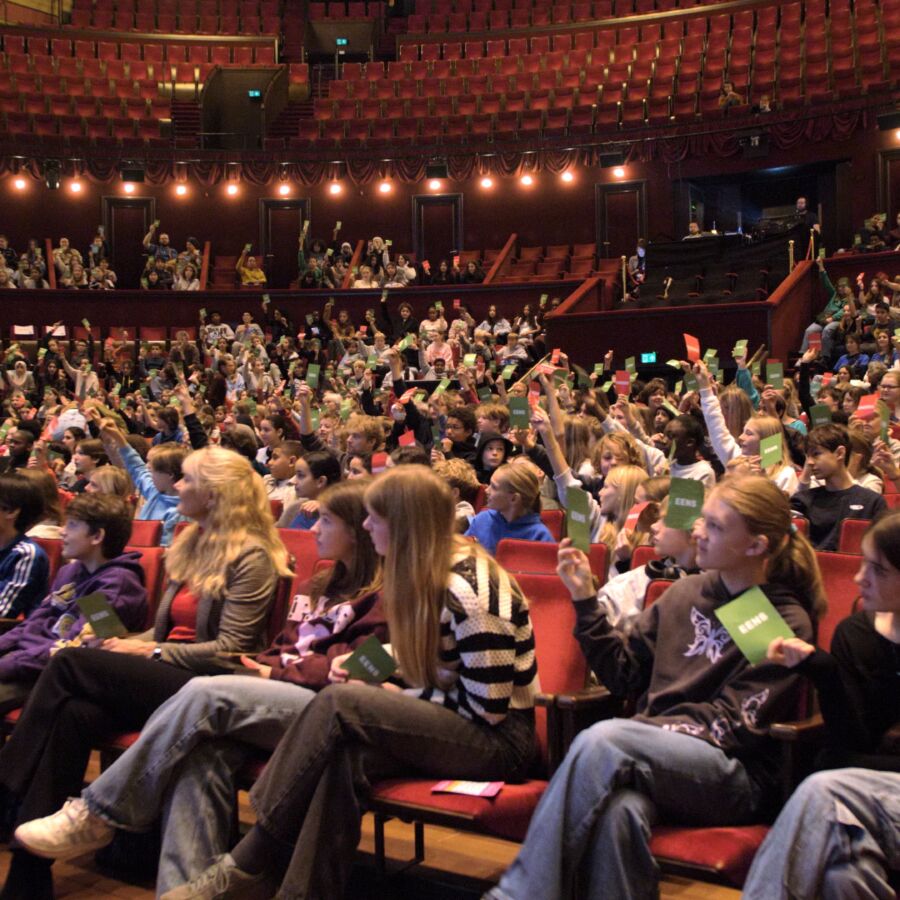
(590, 835)
(829, 334)
(312, 794)
(182, 768)
(836, 839)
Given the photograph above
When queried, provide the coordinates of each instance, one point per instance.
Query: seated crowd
(412, 448)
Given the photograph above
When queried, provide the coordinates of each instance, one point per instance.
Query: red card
(301, 336)
(408, 395)
(826, 377)
(861, 276)
(534, 395)
(867, 406)
(363, 329)
(408, 438)
(379, 463)
(457, 302)
(544, 369)
(554, 357)
(693, 347)
(815, 340)
(623, 383)
(631, 521)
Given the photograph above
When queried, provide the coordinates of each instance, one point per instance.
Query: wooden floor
(447, 853)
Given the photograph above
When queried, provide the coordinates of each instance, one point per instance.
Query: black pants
(82, 697)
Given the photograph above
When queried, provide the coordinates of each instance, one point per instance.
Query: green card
(685, 503)
(469, 360)
(820, 414)
(444, 384)
(346, 406)
(606, 386)
(713, 365)
(771, 451)
(630, 364)
(578, 518)
(690, 382)
(674, 363)
(885, 413)
(775, 375)
(370, 662)
(678, 386)
(312, 375)
(405, 343)
(314, 419)
(519, 412)
(753, 623)
(438, 306)
(756, 368)
(710, 354)
(598, 368)
(671, 409)
(740, 349)
(103, 619)
(484, 394)
(583, 377)
(436, 432)
(507, 372)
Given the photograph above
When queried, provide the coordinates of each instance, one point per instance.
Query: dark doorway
(280, 222)
(127, 220)
(621, 217)
(437, 227)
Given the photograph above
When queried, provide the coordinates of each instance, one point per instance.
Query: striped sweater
(24, 572)
(487, 645)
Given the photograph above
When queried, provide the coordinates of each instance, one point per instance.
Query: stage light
(335, 187)
(486, 183)
(434, 184)
(128, 187)
(385, 187)
(284, 189)
(19, 184)
(231, 190)
(181, 190)
(75, 187)
(897, 134)
(527, 180)
(567, 177)
(619, 172)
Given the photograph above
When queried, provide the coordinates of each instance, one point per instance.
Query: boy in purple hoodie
(94, 536)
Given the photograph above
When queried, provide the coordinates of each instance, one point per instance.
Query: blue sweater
(24, 570)
(489, 528)
(157, 505)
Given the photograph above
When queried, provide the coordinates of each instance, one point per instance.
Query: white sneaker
(73, 831)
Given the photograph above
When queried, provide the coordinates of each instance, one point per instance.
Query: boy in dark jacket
(23, 564)
(96, 531)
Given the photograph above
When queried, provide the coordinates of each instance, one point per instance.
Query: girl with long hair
(744, 446)
(182, 769)
(222, 574)
(461, 636)
(837, 835)
(698, 748)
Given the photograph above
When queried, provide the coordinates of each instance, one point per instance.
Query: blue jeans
(181, 770)
(590, 835)
(836, 839)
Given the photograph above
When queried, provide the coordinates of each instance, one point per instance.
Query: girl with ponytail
(698, 750)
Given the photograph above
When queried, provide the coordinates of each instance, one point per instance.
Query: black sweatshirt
(685, 674)
(826, 510)
(859, 691)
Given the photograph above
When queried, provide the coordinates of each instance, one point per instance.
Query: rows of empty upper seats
(354, 9)
(618, 78)
(557, 261)
(499, 15)
(232, 17)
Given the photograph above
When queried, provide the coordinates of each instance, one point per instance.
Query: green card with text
(685, 503)
(630, 364)
(820, 414)
(370, 662)
(775, 375)
(519, 412)
(578, 518)
(771, 451)
(507, 372)
(469, 360)
(103, 619)
(753, 623)
(740, 349)
(312, 375)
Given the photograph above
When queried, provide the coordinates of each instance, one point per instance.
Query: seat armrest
(803, 730)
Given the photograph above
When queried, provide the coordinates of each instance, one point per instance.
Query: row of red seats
(602, 9)
(66, 56)
(170, 23)
(337, 9)
(94, 76)
(131, 107)
(78, 130)
(192, 7)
